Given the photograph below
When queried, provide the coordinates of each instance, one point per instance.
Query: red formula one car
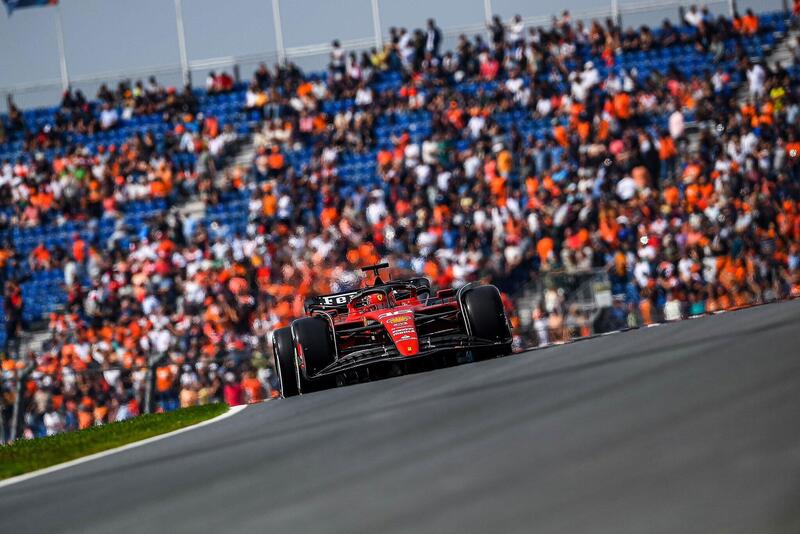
(390, 321)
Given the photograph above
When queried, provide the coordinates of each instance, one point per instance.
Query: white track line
(58, 467)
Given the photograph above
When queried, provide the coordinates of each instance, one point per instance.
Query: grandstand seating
(283, 270)
(354, 169)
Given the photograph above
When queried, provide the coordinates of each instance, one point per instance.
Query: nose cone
(400, 326)
(407, 347)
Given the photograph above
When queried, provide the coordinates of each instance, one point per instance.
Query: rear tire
(486, 316)
(314, 342)
(285, 364)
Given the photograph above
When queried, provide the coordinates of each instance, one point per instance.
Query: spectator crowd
(535, 151)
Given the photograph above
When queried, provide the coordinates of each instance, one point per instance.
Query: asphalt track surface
(683, 428)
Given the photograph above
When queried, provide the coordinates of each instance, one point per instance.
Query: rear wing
(335, 301)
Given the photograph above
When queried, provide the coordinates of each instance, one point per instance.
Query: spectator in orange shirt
(622, 107)
(40, 257)
(276, 162)
(252, 388)
(750, 22)
(544, 248)
(166, 396)
(78, 248)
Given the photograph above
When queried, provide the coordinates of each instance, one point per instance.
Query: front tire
(314, 344)
(285, 364)
(486, 316)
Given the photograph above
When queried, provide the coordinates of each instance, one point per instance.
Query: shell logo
(397, 320)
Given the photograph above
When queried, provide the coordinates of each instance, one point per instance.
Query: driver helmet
(375, 299)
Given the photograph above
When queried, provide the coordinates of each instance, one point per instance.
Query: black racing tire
(313, 338)
(486, 316)
(285, 362)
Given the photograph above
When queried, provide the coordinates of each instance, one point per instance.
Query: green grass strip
(24, 456)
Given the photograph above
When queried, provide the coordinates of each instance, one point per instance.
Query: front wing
(427, 345)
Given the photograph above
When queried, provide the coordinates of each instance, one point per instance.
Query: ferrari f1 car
(391, 321)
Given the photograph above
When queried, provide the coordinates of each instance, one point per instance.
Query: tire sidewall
(285, 361)
(313, 336)
(485, 314)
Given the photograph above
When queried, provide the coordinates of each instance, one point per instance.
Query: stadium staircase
(770, 52)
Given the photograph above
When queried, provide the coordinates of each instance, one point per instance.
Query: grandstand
(171, 229)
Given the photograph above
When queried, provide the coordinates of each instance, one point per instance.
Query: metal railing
(16, 400)
(576, 296)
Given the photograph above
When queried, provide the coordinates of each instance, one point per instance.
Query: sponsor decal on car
(403, 330)
(336, 300)
(399, 324)
(392, 314)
